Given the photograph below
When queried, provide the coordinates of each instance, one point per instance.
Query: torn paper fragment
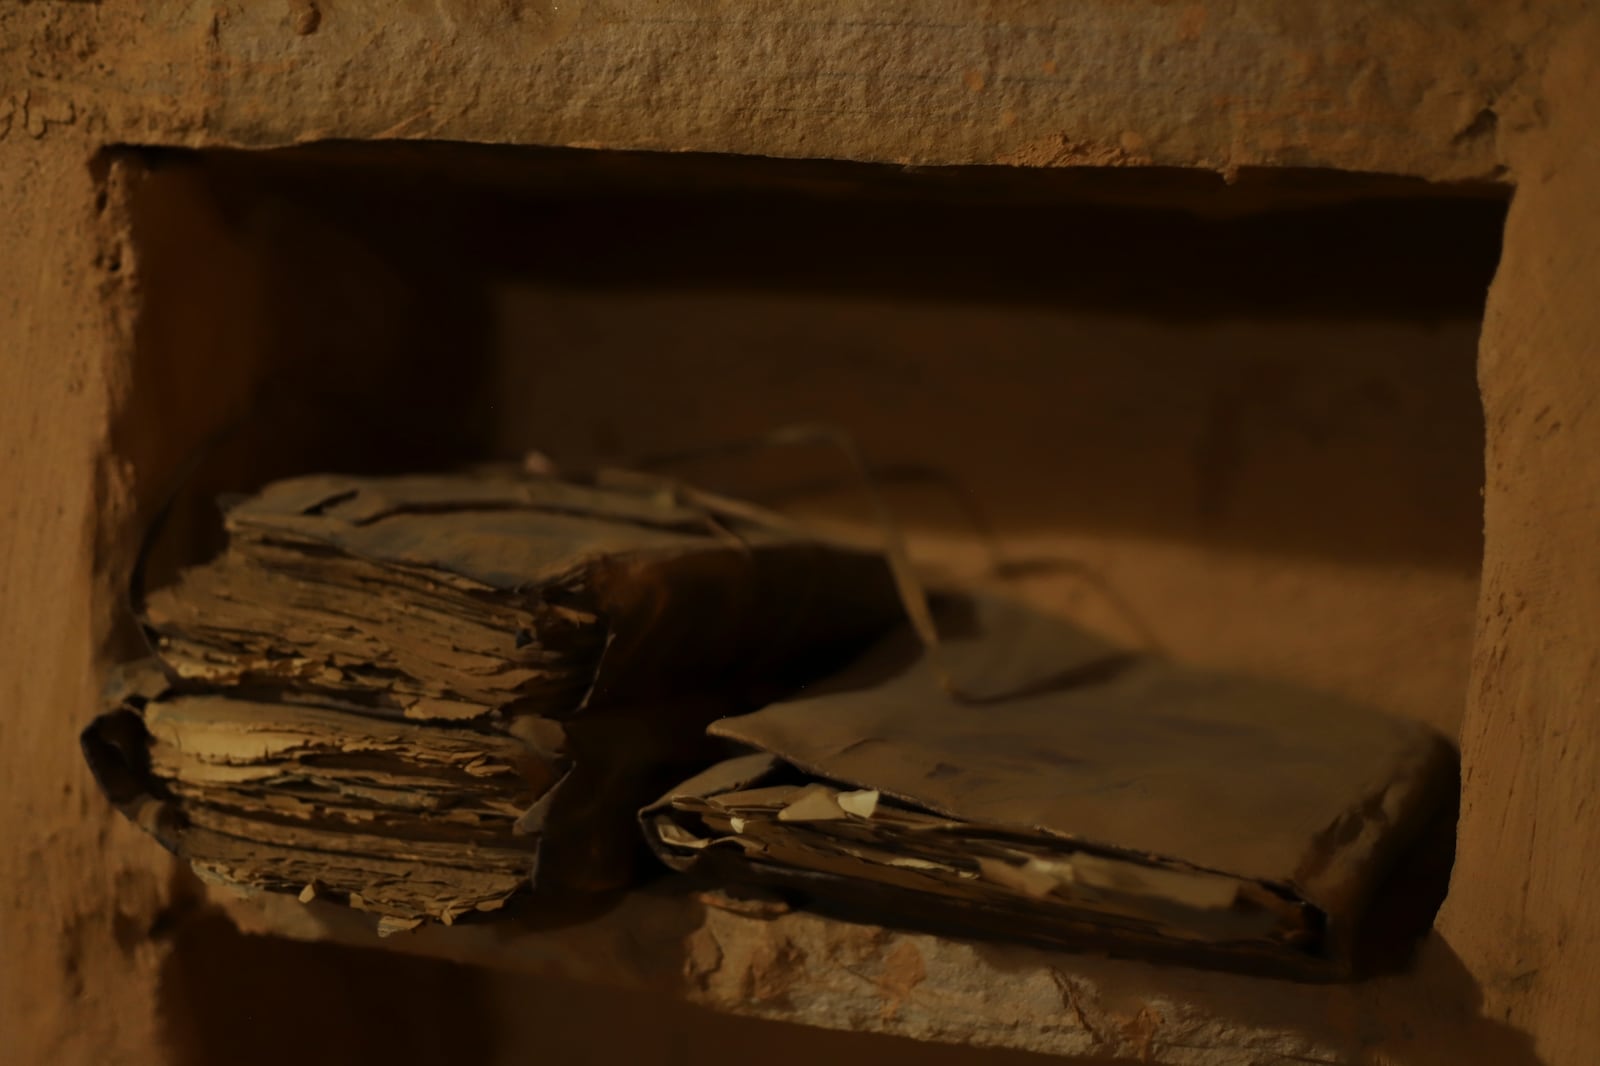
(1023, 878)
(860, 803)
(432, 709)
(389, 925)
(815, 803)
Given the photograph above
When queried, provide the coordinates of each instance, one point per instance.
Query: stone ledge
(799, 967)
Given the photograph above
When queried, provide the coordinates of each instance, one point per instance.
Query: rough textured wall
(1525, 899)
(1297, 477)
(1444, 89)
(80, 889)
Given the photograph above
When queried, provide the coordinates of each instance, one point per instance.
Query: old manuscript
(422, 695)
(1097, 798)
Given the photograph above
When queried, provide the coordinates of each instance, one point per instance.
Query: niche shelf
(1245, 414)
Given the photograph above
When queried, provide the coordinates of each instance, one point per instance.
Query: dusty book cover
(1096, 799)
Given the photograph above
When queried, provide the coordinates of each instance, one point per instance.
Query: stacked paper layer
(423, 694)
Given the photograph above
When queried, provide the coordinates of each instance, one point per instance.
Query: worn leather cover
(1129, 758)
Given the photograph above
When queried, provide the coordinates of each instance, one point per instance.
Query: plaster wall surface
(1437, 90)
